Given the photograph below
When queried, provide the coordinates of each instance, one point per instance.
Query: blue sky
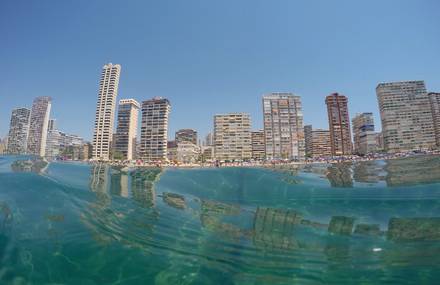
(211, 57)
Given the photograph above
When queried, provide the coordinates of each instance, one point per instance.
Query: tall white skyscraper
(154, 129)
(18, 131)
(405, 111)
(126, 131)
(283, 126)
(38, 125)
(105, 111)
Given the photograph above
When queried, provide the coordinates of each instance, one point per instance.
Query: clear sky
(211, 57)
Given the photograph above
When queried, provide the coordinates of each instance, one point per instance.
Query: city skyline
(214, 64)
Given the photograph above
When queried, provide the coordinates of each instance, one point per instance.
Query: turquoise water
(363, 223)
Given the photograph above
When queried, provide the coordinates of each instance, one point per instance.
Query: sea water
(356, 223)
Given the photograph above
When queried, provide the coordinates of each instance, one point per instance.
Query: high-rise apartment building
(105, 111)
(126, 131)
(364, 134)
(308, 139)
(154, 129)
(38, 125)
(209, 140)
(52, 125)
(283, 126)
(232, 136)
(18, 131)
(434, 99)
(405, 111)
(321, 143)
(186, 135)
(258, 146)
(339, 124)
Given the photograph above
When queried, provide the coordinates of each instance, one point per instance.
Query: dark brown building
(339, 124)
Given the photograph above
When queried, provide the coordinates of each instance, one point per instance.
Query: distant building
(172, 151)
(207, 153)
(126, 131)
(54, 144)
(232, 136)
(405, 111)
(379, 142)
(320, 143)
(209, 140)
(283, 126)
(86, 151)
(3, 146)
(186, 135)
(38, 125)
(154, 129)
(18, 131)
(60, 144)
(187, 152)
(258, 146)
(434, 99)
(52, 125)
(364, 134)
(308, 140)
(105, 111)
(339, 124)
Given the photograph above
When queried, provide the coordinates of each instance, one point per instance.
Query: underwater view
(374, 222)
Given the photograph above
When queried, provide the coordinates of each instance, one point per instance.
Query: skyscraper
(105, 111)
(18, 131)
(339, 124)
(126, 131)
(283, 126)
(364, 134)
(38, 125)
(154, 129)
(186, 135)
(232, 136)
(405, 111)
(258, 147)
(434, 99)
(308, 140)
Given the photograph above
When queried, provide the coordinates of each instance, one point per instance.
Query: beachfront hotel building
(308, 140)
(363, 134)
(258, 146)
(319, 143)
(186, 135)
(154, 129)
(339, 124)
(38, 124)
(105, 111)
(126, 130)
(283, 126)
(232, 136)
(18, 131)
(406, 116)
(434, 99)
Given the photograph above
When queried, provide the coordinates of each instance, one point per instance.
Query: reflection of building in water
(340, 175)
(368, 172)
(99, 180)
(142, 186)
(412, 171)
(273, 228)
(124, 185)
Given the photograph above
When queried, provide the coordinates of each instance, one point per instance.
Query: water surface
(362, 223)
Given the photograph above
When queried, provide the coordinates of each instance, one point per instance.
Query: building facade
(320, 143)
(232, 136)
(18, 131)
(434, 99)
(154, 129)
(339, 124)
(105, 111)
(308, 140)
(258, 146)
(126, 131)
(186, 135)
(38, 125)
(363, 134)
(283, 126)
(406, 116)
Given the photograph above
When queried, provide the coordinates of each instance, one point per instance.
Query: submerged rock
(341, 225)
(367, 229)
(174, 200)
(414, 229)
